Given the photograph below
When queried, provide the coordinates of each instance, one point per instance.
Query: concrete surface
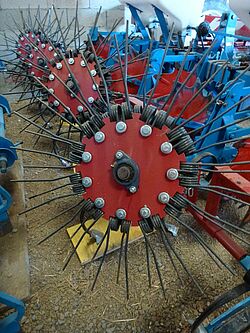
(14, 261)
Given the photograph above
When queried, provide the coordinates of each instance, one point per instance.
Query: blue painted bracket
(11, 323)
(163, 23)
(134, 11)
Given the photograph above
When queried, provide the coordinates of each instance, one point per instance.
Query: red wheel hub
(152, 164)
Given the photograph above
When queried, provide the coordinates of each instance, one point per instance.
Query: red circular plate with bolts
(86, 84)
(152, 163)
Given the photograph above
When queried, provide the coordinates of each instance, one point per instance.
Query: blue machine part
(8, 154)
(236, 319)
(223, 125)
(11, 323)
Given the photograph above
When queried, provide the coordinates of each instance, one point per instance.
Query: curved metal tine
(214, 220)
(96, 19)
(103, 256)
(198, 237)
(79, 242)
(122, 72)
(62, 196)
(59, 26)
(48, 191)
(178, 256)
(160, 69)
(62, 226)
(126, 262)
(168, 250)
(100, 244)
(120, 258)
(100, 71)
(61, 213)
(105, 40)
(222, 194)
(148, 265)
(155, 260)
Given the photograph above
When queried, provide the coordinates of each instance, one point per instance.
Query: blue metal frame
(11, 323)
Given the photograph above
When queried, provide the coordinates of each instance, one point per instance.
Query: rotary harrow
(156, 128)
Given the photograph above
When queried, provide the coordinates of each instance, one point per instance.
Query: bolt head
(99, 137)
(91, 99)
(51, 91)
(22, 39)
(119, 154)
(163, 197)
(32, 73)
(86, 157)
(82, 63)
(56, 103)
(31, 56)
(50, 48)
(172, 174)
(121, 127)
(95, 86)
(59, 65)
(145, 212)
(55, 54)
(146, 130)
(80, 108)
(87, 182)
(132, 189)
(71, 61)
(93, 72)
(51, 77)
(99, 202)
(43, 46)
(121, 213)
(166, 147)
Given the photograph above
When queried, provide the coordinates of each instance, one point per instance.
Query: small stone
(33, 318)
(39, 327)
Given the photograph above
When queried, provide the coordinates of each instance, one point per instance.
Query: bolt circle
(163, 197)
(95, 86)
(93, 72)
(172, 174)
(99, 202)
(121, 213)
(99, 137)
(132, 189)
(59, 65)
(121, 127)
(43, 46)
(86, 157)
(56, 103)
(51, 91)
(71, 61)
(50, 48)
(119, 154)
(145, 212)
(166, 147)
(87, 182)
(31, 56)
(146, 130)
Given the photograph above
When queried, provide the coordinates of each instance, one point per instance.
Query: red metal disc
(84, 81)
(153, 164)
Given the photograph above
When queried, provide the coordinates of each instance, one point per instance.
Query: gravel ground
(61, 301)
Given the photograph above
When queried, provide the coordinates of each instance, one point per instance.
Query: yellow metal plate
(88, 246)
